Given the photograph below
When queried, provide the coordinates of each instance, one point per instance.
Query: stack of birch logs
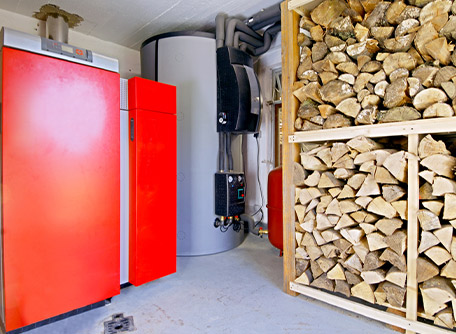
(351, 228)
(436, 266)
(351, 211)
(371, 61)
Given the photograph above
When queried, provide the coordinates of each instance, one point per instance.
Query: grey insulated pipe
(228, 152)
(236, 24)
(220, 29)
(268, 36)
(240, 36)
(264, 17)
(221, 156)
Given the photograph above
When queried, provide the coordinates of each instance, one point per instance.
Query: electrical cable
(259, 183)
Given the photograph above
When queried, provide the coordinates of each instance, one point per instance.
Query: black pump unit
(238, 92)
(229, 194)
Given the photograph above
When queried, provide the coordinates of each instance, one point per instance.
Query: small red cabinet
(152, 233)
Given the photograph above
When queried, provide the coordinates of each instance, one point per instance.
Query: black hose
(221, 157)
(267, 22)
(265, 14)
(236, 24)
(241, 36)
(268, 37)
(228, 152)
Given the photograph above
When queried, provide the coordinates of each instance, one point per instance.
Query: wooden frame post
(412, 228)
(290, 62)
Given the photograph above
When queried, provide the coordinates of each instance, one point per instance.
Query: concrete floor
(239, 291)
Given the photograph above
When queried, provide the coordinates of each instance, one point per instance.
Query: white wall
(265, 65)
(129, 63)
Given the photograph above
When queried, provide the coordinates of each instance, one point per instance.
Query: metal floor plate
(119, 324)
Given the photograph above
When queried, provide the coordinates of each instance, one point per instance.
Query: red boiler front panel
(60, 196)
(152, 114)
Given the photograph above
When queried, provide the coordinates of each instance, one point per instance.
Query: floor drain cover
(119, 324)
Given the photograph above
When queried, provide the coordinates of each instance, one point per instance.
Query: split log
(363, 291)
(441, 164)
(369, 187)
(396, 260)
(436, 292)
(300, 212)
(305, 278)
(343, 174)
(425, 270)
(347, 192)
(449, 211)
(427, 240)
(374, 276)
(344, 222)
(322, 282)
(396, 164)
(376, 241)
(330, 251)
(328, 180)
(396, 276)
(356, 181)
(392, 193)
(315, 269)
(445, 236)
(445, 318)
(428, 97)
(397, 241)
(442, 186)
(363, 202)
(372, 261)
(343, 288)
(353, 235)
(436, 207)
(394, 294)
(449, 270)
(383, 176)
(312, 163)
(336, 273)
(380, 294)
(352, 279)
(388, 226)
(381, 207)
(427, 175)
(401, 208)
(313, 179)
(363, 144)
(438, 255)
(428, 220)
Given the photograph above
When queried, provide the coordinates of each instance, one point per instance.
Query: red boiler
(275, 208)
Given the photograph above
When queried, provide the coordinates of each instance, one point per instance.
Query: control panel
(66, 49)
(229, 194)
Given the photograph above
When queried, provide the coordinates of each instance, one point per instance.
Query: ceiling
(130, 22)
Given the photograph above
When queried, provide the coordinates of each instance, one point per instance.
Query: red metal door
(152, 180)
(60, 174)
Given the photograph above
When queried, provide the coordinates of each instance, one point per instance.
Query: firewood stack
(436, 265)
(351, 229)
(371, 61)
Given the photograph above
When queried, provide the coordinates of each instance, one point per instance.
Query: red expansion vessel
(275, 205)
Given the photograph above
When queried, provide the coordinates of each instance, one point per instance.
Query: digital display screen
(67, 48)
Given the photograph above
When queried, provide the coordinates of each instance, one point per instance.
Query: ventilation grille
(124, 94)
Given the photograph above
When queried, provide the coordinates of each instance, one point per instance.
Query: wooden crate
(413, 130)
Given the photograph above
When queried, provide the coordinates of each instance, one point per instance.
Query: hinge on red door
(132, 129)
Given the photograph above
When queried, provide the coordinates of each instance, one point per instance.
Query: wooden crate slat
(307, 4)
(367, 311)
(412, 228)
(424, 126)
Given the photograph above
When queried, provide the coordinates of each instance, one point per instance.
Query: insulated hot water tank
(188, 60)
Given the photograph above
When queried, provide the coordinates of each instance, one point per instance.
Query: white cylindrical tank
(188, 61)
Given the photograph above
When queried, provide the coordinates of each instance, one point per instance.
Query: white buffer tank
(188, 61)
